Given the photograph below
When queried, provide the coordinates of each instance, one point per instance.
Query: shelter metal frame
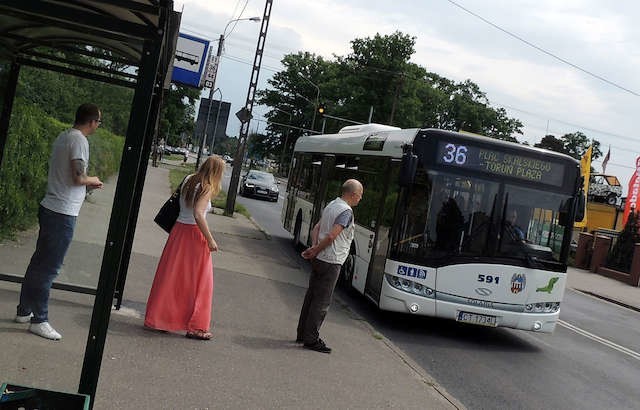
(132, 43)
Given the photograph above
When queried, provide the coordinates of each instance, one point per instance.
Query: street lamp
(313, 120)
(215, 126)
(286, 138)
(215, 67)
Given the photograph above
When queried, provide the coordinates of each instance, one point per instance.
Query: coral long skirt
(182, 290)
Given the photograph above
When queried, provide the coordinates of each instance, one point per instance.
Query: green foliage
(59, 96)
(622, 253)
(23, 175)
(574, 144)
(377, 75)
(228, 146)
(178, 114)
(551, 143)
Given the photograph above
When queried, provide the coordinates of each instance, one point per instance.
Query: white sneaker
(45, 330)
(23, 319)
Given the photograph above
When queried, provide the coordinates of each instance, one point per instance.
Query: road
(592, 361)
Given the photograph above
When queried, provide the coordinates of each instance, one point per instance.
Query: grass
(177, 174)
(173, 157)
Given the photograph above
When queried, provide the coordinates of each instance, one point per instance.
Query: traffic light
(321, 109)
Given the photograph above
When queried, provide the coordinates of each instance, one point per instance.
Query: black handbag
(168, 214)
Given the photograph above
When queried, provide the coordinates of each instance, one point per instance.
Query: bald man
(331, 238)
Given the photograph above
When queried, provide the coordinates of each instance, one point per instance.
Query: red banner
(633, 196)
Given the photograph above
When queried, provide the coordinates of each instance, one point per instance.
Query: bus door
(320, 201)
(292, 191)
(381, 239)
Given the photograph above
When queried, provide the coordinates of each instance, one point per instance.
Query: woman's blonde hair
(209, 176)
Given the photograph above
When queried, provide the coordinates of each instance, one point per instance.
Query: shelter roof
(47, 33)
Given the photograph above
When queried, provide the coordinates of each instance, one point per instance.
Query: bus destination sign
(499, 163)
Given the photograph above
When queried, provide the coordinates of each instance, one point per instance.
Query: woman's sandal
(199, 335)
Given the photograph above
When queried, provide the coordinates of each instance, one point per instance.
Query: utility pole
(245, 113)
(212, 88)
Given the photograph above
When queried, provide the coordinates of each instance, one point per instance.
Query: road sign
(244, 115)
(212, 69)
(189, 60)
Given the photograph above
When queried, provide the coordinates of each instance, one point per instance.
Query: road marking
(600, 340)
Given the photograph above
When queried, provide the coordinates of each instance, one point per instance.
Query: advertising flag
(585, 171)
(606, 160)
(633, 196)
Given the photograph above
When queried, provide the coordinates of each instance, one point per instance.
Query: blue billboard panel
(190, 60)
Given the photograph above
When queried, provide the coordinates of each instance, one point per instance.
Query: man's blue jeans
(54, 238)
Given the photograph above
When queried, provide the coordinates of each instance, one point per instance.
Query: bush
(622, 253)
(23, 175)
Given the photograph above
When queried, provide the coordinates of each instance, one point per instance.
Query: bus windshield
(448, 215)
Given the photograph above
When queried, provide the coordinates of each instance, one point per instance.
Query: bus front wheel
(296, 232)
(346, 272)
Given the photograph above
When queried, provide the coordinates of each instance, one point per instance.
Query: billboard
(190, 60)
(218, 119)
(633, 196)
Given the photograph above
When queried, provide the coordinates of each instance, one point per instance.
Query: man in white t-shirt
(67, 184)
(331, 239)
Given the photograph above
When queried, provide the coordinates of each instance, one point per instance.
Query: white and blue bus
(451, 225)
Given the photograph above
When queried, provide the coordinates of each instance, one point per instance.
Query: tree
(228, 146)
(576, 144)
(59, 95)
(552, 144)
(376, 77)
(178, 114)
(261, 145)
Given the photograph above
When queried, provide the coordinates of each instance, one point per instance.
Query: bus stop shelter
(140, 37)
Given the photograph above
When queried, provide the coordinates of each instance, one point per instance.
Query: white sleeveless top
(337, 252)
(186, 212)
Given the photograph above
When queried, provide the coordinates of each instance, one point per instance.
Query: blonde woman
(182, 290)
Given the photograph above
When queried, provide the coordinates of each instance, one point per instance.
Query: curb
(220, 212)
(415, 367)
(266, 234)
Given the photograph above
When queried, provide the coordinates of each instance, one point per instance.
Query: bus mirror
(408, 169)
(580, 207)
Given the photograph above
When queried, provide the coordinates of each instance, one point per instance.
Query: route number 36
(489, 279)
(457, 154)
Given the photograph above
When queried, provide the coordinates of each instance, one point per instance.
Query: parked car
(259, 184)
(605, 188)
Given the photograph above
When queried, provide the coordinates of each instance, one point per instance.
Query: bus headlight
(409, 286)
(542, 307)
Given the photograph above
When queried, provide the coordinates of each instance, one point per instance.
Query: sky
(557, 66)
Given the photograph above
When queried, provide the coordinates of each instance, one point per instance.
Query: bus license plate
(477, 319)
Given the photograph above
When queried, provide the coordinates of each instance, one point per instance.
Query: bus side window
(309, 177)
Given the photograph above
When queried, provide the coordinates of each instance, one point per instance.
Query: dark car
(259, 184)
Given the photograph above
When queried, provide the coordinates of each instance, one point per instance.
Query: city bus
(451, 225)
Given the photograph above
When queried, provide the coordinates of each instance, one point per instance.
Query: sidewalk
(252, 361)
(604, 288)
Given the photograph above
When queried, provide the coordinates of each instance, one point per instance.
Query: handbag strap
(176, 194)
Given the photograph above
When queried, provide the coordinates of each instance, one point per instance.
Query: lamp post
(313, 120)
(215, 70)
(215, 124)
(286, 137)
